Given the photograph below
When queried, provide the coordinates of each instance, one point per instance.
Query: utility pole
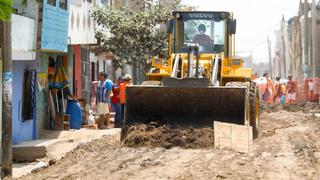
(298, 44)
(314, 40)
(5, 55)
(270, 58)
(284, 47)
(306, 34)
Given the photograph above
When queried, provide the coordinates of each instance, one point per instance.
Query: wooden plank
(94, 126)
(51, 106)
(233, 136)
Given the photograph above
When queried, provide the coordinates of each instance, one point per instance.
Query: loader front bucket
(185, 106)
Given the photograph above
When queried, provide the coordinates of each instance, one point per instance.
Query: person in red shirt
(291, 90)
(202, 39)
(115, 103)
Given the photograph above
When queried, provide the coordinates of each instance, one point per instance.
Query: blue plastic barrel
(74, 110)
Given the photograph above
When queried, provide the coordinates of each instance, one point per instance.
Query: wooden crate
(233, 136)
(66, 122)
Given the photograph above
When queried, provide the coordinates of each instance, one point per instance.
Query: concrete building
(24, 105)
(24, 99)
(81, 34)
(33, 46)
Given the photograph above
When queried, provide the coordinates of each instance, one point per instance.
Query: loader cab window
(205, 29)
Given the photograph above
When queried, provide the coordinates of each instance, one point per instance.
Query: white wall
(93, 57)
(28, 13)
(23, 39)
(81, 25)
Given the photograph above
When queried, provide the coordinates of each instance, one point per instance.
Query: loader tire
(254, 103)
(254, 108)
(238, 84)
(247, 103)
(151, 83)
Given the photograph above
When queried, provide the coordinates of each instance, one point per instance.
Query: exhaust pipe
(193, 49)
(214, 77)
(175, 67)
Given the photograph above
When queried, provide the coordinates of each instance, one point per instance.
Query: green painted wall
(42, 97)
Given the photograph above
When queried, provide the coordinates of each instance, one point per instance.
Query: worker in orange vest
(126, 81)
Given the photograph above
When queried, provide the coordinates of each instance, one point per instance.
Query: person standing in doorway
(104, 88)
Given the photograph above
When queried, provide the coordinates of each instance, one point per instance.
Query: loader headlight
(236, 62)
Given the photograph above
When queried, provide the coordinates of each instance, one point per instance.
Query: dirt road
(288, 148)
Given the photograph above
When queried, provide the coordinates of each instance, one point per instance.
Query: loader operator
(202, 39)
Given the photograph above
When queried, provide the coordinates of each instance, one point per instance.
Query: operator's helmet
(202, 27)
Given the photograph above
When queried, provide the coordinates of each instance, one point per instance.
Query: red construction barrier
(308, 90)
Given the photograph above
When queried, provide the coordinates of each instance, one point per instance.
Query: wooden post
(270, 59)
(5, 44)
(306, 36)
(284, 48)
(314, 40)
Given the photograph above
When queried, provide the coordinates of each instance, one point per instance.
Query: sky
(256, 20)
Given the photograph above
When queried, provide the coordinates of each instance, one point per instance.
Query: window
(63, 4)
(51, 2)
(93, 71)
(105, 2)
(209, 32)
(104, 66)
(29, 87)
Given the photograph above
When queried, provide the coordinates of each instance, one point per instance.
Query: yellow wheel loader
(200, 81)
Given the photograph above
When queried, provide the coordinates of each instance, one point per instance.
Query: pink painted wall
(77, 70)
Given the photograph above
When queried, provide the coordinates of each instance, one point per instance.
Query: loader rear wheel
(254, 108)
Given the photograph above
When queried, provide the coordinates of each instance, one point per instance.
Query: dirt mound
(153, 135)
(265, 107)
(306, 107)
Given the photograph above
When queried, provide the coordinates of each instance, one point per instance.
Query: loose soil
(153, 135)
(288, 147)
(306, 107)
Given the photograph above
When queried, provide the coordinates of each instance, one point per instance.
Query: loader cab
(211, 30)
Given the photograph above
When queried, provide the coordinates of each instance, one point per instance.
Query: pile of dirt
(265, 107)
(154, 135)
(306, 107)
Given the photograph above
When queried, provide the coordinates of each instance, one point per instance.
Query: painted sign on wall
(54, 26)
(42, 81)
